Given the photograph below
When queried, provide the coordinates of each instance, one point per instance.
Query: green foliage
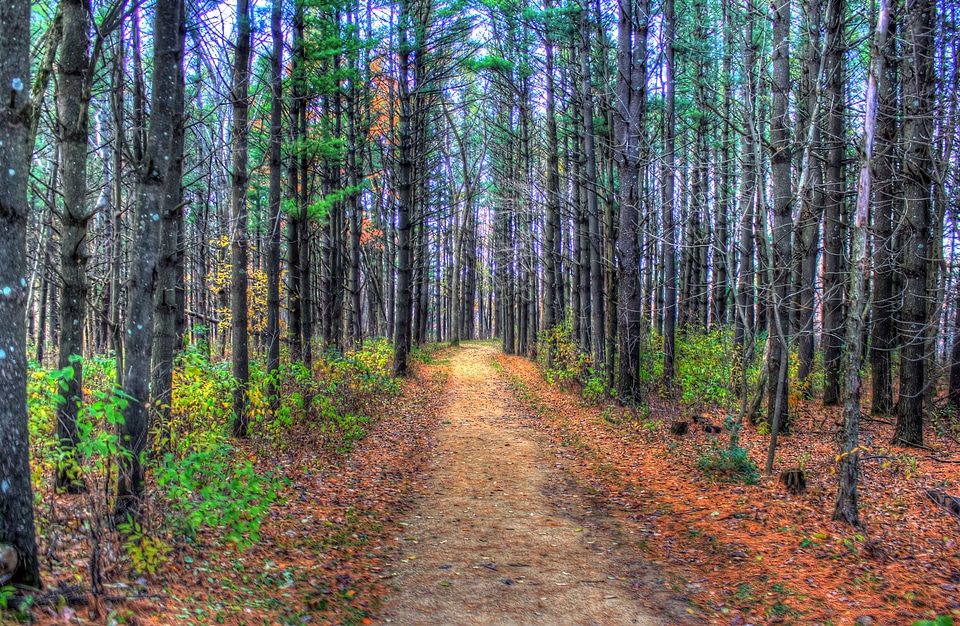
(941, 620)
(201, 405)
(491, 64)
(215, 490)
(334, 399)
(6, 592)
(98, 424)
(704, 367)
(146, 553)
(651, 357)
(595, 388)
(569, 363)
(728, 464)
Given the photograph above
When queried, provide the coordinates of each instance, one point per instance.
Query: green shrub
(595, 388)
(570, 364)
(704, 367)
(731, 464)
(213, 489)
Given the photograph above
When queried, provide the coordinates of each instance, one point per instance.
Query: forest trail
(489, 542)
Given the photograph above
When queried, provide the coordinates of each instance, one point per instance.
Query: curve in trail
(486, 545)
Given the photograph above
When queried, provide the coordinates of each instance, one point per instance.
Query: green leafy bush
(212, 489)
(595, 388)
(704, 367)
(570, 364)
(730, 464)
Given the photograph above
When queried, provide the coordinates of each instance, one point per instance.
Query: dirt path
(492, 542)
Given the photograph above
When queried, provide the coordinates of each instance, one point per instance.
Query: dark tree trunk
(276, 172)
(239, 244)
(780, 161)
(668, 248)
(552, 276)
(631, 115)
(592, 208)
(355, 335)
(307, 298)
(807, 235)
(169, 267)
(918, 81)
(721, 286)
(295, 178)
(138, 342)
(834, 236)
(16, 495)
(72, 123)
(403, 336)
(883, 337)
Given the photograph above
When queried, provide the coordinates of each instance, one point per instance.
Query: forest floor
(485, 493)
(753, 553)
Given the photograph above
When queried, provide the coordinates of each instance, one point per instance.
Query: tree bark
(295, 179)
(631, 115)
(668, 247)
(744, 326)
(593, 210)
(834, 248)
(138, 343)
(72, 123)
(403, 321)
(239, 241)
(167, 299)
(886, 210)
(847, 508)
(276, 172)
(918, 81)
(16, 492)
(780, 162)
(807, 235)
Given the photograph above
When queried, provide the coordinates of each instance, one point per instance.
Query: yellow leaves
(856, 450)
(220, 283)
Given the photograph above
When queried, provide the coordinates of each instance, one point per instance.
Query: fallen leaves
(753, 553)
(325, 543)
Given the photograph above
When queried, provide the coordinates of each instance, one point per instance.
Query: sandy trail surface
(500, 535)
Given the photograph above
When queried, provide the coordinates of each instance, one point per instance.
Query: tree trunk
(744, 327)
(834, 248)
(593, 210)
(721, 286)
(918, 81)
(16, 494)
(807, 235)
(295, 179)
(886, 211)
(239, 241)
(276, 172)
(403, 336)
(552, 273)
(169, 267)
(846, 508)
(138, 343)
(668, 247)
(72, 123)
(631, 115)
(780, 161)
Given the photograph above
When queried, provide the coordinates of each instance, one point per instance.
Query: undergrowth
(200, 479)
